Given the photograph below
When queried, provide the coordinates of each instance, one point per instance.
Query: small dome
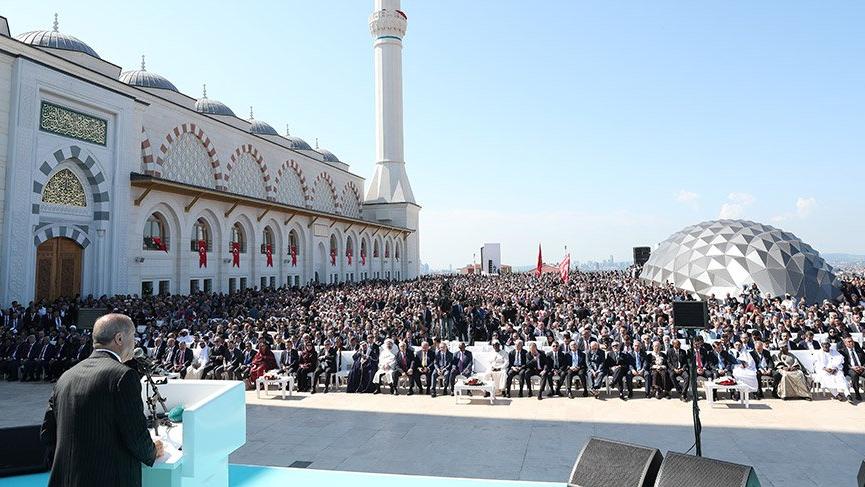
(259, 127)
(56, 40)
(146, 79)
(212, 107)
(327, 155)
(297, 143)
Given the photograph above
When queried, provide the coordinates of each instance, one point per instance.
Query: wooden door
(58, 268)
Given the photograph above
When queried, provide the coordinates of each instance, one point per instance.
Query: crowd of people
(598, 325)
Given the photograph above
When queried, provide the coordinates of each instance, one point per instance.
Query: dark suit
(597, 362)
(326, 366)
(443, 363)
(516, 368)
(290, 361)
(182, 361)
(95, 423)
(681, 379)
(851, 360)
(639, 364)
(618, 364)
(420, 370)
(558, 363)
(577, 369)
(404, 366)
(770, 366)
(803, 344)
(536, 365)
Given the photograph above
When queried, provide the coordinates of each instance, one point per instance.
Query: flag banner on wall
(268, 251)
(202, 254)
(348, 254)
(293, 252)
(332, 256)
(565, 267)
(540, 267)
(362, 257)
(235, 254)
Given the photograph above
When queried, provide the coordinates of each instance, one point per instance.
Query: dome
(211, 107)
(261, 128)
(327, 155)
(146, 79)
(297, 143)
(56, 40)
(721, 256)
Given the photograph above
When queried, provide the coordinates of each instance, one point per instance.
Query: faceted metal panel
(247, 179)
(289, 189)
(322, 198)
(721, 256)
(187, 162)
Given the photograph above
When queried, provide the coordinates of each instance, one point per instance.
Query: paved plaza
(789, 443)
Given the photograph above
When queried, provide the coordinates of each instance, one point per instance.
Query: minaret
(387, 24)
(389, 198)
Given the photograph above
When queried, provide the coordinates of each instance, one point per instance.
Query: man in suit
(808, 342)
(537, 365)
(463, 364)
(597, 368)
(31, 359)
(704, 358)
(618, 366)
(95, 421)
(403, 366)
(59, 360)
(42, 367)
(423, 364)
(290, 360)
(639, 366)
(677, 361)
(765, 367)
(576, 368)
(854, 364)
(442, 369)
(326, 366)
(231, 364)
(182, 359)
(558, 364)
(517, 359)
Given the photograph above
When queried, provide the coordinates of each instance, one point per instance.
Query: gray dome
(721, 256)
(327, 155)
(297, 143)
(146, 79)
(261, 128)
(212, 107)
(56, 40)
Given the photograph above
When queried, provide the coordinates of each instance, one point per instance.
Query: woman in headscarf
(308, 362)
(789, 379)
(356, 375)
(263, 361)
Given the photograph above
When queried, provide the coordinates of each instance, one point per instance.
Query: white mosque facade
(114, 182)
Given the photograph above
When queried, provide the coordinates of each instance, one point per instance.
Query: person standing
(95, 420)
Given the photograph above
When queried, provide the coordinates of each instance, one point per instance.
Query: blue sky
(597, 125)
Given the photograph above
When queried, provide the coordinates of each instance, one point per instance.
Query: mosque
(112, 181)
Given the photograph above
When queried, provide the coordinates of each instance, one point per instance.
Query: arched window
(201, 231)
(65, 189)
(363, 248)
(396, 251)
(267, 239)
(238, 236)
(155, 233)
(375, 249)
(293, 243)
(387, 250)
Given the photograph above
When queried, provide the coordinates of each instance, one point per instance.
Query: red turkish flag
(268, 251)
(293, 252)
(362, 257)
(565, 267)
(160, 244)
(202, 254)
(348, 254)
(540, 263)
(235, 254)
(332, 256)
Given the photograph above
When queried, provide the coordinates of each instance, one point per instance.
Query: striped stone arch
(190, 128)
(350, 191)
(74, 232)
(329, 180)
(95, 178)
(252, 151)
(292, 165)
(146, 153)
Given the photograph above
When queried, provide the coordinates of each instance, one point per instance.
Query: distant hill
(839, 258)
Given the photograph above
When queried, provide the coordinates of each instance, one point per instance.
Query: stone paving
(789, 443)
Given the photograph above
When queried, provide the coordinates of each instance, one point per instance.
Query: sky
(595, 125)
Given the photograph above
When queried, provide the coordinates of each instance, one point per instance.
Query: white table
(487, 387)
(744, 392)
(282, 382)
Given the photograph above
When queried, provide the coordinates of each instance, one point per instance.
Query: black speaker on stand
(606, 463)
(680, 470)
(641, 255)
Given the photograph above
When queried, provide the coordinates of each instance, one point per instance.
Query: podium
(197, 449)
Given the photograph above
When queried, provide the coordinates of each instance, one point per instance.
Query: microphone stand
(153, 396)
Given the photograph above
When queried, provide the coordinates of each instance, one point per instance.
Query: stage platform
(254, 476)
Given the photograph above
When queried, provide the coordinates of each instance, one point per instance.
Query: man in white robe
(498, 364)
(386, 364)
(745, 370)
(829, 372)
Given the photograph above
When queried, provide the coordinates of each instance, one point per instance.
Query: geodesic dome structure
(721, 256)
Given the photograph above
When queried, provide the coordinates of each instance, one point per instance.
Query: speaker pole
(693, 378)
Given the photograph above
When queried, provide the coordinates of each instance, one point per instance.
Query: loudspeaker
(690, 314)
(680, 470)
(604, 463)
(88, 316)
(861, 477)
(22, 451)
(641, 255)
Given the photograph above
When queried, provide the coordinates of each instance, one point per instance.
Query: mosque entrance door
(58, 268)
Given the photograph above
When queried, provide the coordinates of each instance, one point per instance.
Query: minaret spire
(56, 24)
(143, 68)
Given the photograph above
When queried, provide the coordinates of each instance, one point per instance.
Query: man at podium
(95, 419)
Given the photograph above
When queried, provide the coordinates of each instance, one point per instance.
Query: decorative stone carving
(246, 178)
(70, 123)
(188, 162)
(64, 189)
(387, 23)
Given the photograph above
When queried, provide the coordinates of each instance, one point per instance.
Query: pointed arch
(325, 199)
(84, 160)
(351, 200)
(291, 172)
(235, 161)
(198, 133)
